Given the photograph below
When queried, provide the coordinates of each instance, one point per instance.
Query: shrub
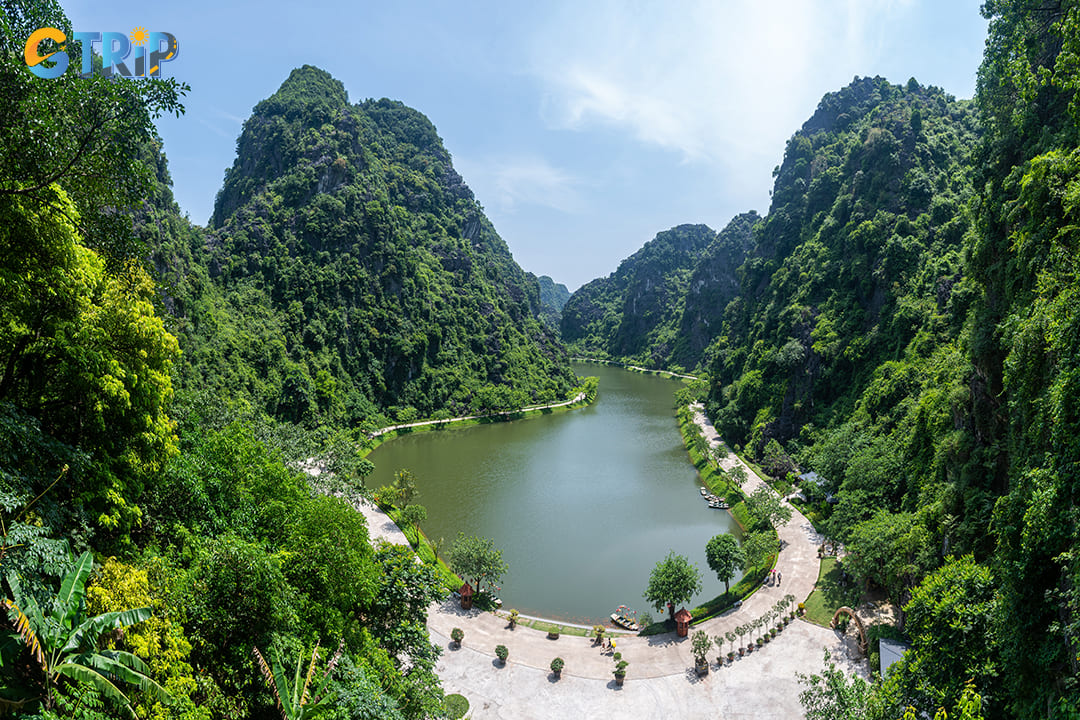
(457, 635)
(557, 665)
(456, 706)
(502, 652)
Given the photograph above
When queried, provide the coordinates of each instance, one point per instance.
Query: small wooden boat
(704, 492)
(623, 620)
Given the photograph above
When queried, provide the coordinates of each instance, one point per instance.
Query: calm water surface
(582, 503)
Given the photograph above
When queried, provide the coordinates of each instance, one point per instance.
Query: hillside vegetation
(351, 277)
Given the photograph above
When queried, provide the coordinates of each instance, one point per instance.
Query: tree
(767, 506)
(674, 580)
(949, 620)
(892, 550)
(724, 557)
(831, 696)
(65, 642)
(758, 546)
(414, 515)
(477, 559)
(405, 483)
(297, 700)
(738, 474)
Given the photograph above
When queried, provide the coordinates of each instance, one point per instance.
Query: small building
(682, 622)
(891, 652)
(466, 596)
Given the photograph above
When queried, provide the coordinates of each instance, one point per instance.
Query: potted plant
(699, 648)
(553, 634)
(741, 631)
(513, 619)
(556, 667)
(502, 653)
(620, 671)
(730, 635)
(457, 635)
(802, 608)
(599, 630)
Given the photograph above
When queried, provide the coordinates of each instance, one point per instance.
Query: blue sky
(584, 128)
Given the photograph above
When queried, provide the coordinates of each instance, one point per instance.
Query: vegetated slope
(553, 297)
(714, 283)
(350, 271)
(856, 265)
(633, 313)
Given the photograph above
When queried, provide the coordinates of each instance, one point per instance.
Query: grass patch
(830, 594)
(545, 626)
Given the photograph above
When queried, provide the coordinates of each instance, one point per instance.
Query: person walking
(779, 577)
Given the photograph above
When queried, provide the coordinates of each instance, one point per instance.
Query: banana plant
(297, 700)
(64, 642)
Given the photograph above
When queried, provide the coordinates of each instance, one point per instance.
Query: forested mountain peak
(377, 281)
(627, 314)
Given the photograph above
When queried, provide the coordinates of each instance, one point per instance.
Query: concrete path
(660, 680)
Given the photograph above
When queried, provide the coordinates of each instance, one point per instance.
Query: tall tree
(724, 556)
(477, 559)
(673, 580)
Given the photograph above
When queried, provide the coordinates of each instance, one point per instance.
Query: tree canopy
(673, 580)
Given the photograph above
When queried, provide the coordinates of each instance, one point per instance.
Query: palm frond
(325, 680)
(87, 633)
(101, 683)
(122, 666)
(26, 632)
(70, 601)
(310, 674)
(269, 679)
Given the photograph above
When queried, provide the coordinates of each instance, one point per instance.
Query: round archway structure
(858, 623)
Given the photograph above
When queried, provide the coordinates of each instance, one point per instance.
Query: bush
(557, 665)
(502, 652)
(456, 706)
(457, 635)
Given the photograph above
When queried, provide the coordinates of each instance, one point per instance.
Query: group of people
(775, 576)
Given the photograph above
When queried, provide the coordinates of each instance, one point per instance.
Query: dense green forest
(160, 383)
(637, 312)
(553, 297)
(905, 321)
(350, 276)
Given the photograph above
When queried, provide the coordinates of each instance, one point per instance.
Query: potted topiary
(457, 635)
(699, 648)
(741, 631)
(731, 640)
(502, 653)
(556, 667)
(598, 631)
(802, 608)
(620, 671)
(513, 619)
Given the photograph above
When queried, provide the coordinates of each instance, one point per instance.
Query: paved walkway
(660, 679)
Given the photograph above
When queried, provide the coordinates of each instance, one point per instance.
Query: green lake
(582, 503)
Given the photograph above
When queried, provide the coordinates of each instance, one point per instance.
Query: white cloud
(512, 182)
(723, 82)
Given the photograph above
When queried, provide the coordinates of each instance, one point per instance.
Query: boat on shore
(621, 617)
